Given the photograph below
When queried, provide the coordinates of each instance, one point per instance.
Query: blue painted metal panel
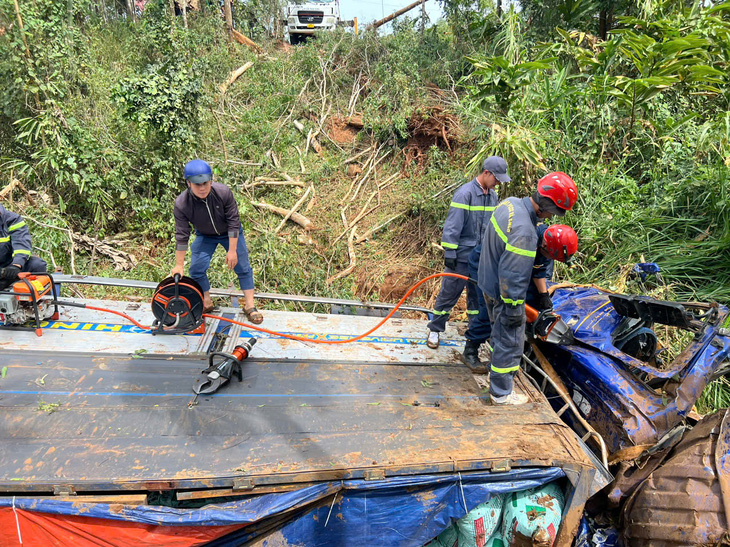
(624, 409)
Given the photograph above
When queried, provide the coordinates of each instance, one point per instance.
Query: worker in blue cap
(211, 209)
(468, 216)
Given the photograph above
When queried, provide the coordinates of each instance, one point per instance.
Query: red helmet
(560, 188)
(560, 242)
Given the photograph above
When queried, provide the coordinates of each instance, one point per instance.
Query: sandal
(254, 315)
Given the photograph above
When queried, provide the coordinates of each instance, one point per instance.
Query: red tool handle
(531, 314)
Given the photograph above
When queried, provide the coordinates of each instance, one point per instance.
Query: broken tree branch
(300, 219)
(301, 163)
(315, 143)
(233, 76)
(246, 41)
(293, 210)
(15, 183)
(362, 214)
(367, 174)
(353, 260)
(249, 163)
(353, 158)
(220, 132)
(255, 183)
(369, 233)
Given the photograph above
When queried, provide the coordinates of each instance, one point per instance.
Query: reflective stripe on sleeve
(472, 207)
(16, 226)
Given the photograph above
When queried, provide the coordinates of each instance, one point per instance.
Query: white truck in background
(306, 18)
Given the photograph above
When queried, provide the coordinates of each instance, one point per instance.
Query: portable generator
(31, 298)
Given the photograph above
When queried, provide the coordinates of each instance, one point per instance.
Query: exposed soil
(341, 131)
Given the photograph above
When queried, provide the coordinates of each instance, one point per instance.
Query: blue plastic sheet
(404, 511)
(396, 511)
(247, 510)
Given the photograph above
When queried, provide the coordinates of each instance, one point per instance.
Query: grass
(715, 396)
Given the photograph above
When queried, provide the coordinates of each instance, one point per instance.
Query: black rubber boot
(471, 358)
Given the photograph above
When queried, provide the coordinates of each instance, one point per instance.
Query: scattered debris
(48, 408)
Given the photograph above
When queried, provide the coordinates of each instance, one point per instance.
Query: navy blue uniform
(465, 223)
(16, 245)
(506, 264)
(541, 269)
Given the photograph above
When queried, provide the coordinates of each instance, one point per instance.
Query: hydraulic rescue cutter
(547, 326)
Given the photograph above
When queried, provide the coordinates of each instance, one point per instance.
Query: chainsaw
(547, 326)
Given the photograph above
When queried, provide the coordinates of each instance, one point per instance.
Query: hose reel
(177, 306)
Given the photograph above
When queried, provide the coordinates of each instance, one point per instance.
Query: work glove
(513, 321)
(544, 302)
(9, 273)
(450, 263)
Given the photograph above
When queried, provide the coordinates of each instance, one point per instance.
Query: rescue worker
(509, 249)
(212, 210)
(15, 249)
(555, 242)
(468, 216)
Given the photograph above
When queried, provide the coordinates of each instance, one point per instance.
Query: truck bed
(96, 406)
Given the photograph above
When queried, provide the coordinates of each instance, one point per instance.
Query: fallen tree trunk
(246, 41)
(300, 219)
(234, 76)
(393, 15)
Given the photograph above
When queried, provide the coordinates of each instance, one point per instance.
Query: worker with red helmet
(509, 249)
(555, 242)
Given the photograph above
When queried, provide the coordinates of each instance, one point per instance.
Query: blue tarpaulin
(396, 511)
(404, 511)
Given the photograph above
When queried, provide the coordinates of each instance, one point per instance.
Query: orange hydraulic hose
(299, 338)
(128, 318)
(356, 338)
